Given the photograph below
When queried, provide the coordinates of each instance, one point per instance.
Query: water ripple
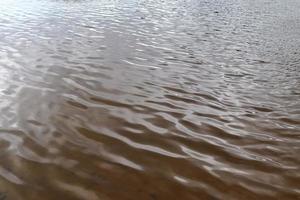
(186, 99)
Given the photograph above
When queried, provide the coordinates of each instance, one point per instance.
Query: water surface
(149, 99)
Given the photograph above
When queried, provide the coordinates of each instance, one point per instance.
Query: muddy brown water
(149, 99)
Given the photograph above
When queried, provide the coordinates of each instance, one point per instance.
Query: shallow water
(173, 99)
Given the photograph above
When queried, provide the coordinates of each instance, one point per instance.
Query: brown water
(149, 99)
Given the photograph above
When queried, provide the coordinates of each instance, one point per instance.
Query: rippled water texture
(149, 99)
